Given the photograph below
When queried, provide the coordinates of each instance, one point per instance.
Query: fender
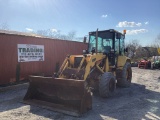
(122, 60)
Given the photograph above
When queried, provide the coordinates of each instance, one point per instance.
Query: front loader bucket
(68, 96)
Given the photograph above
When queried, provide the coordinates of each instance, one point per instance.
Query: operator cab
(109, 42)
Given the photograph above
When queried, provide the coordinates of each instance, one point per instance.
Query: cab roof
(110, 30)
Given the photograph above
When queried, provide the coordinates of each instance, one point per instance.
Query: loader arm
(94, 61)
(86, 65)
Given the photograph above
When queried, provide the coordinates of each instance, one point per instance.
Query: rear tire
(124, 76)
(107, 84)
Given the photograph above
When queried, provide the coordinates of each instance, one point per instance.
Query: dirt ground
(141, 101)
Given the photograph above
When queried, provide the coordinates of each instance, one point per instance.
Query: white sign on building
(28, 52)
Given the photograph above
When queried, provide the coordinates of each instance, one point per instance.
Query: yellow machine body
(69, 90)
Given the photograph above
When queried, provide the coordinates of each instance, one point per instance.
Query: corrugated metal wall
(55, 52)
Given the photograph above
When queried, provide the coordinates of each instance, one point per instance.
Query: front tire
(124, 76)
(107, 84)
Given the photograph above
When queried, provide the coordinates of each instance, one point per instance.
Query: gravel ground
(141, 101)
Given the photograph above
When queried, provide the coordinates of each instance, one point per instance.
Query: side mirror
(85, 39)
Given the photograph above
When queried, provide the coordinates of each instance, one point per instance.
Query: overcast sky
(141, 18)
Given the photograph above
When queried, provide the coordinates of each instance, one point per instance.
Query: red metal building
(54, 53)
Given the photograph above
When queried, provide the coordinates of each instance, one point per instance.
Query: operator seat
(107, 49)
(110, 54)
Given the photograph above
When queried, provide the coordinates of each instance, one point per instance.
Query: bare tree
(71, 35)
(140, 53)
(4, 26)
(57, 34)
(157, 41)
(132, 46)
(136, 51)
(42, 32)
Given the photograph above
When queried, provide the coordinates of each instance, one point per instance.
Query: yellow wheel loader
(100, 68)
